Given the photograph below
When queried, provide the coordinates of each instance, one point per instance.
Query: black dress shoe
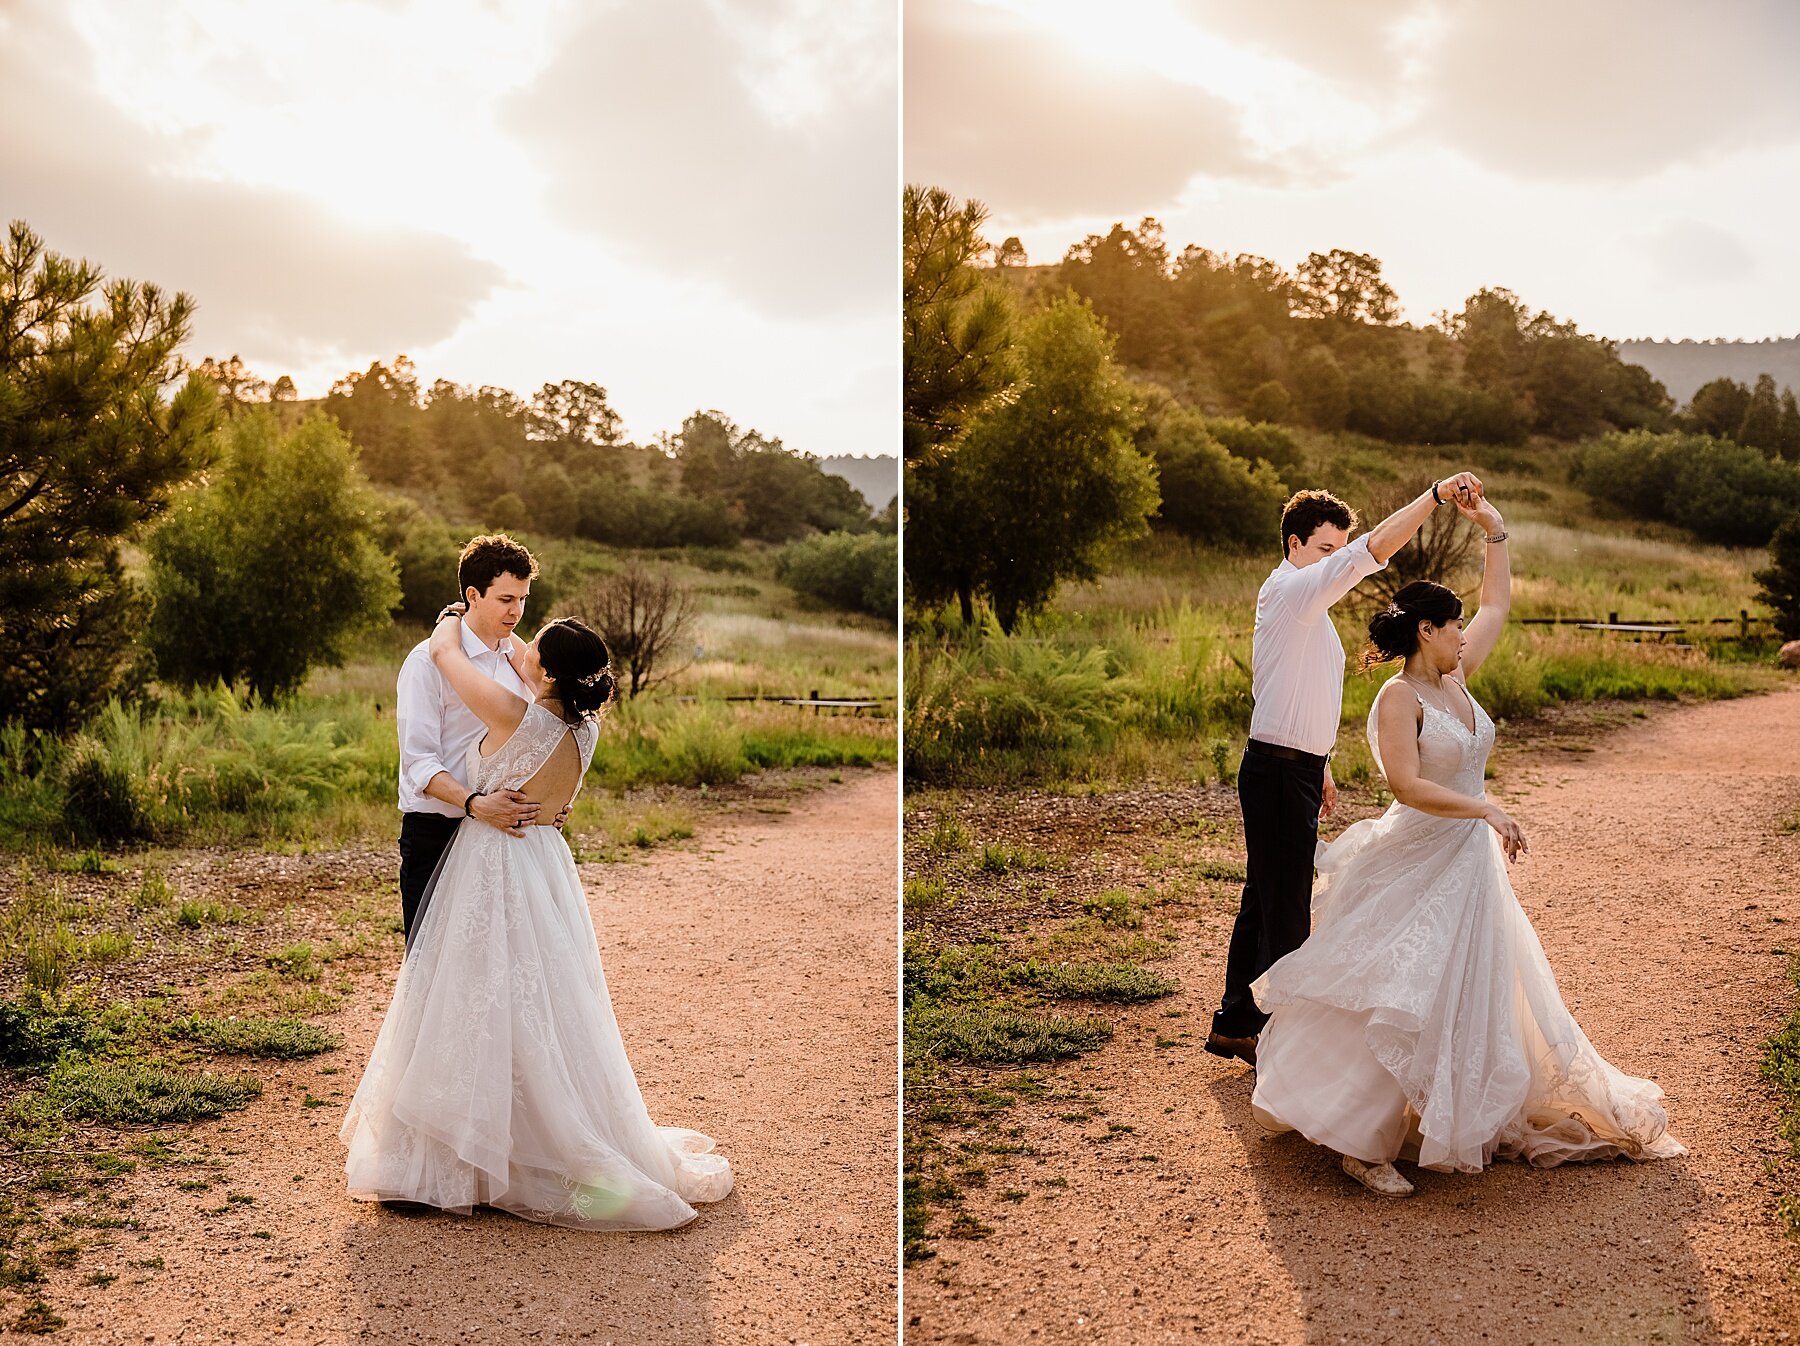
(1242, 1048)
(408, 1207)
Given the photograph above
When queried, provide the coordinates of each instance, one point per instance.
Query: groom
(1297, 685)
(494, 574)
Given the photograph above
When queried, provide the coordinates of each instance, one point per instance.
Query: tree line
(273, 532)
(1051, 412)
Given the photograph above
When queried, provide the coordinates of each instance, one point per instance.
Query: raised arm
(497, 708)
(1398, 529)
(1483, 630)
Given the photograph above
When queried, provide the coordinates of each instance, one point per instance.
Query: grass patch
(990, 1036)
(122, 1093)
(1781, 1067)
(283, 1039)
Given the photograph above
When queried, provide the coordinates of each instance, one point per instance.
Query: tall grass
(1147, 673)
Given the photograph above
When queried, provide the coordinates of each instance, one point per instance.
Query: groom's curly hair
(487, 558)
(1306, 510)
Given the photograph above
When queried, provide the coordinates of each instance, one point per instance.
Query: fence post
(1743, 623)
(1612, 618)
(815, 698)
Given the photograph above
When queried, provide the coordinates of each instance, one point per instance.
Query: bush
(274, 566)
(855, 571)
(1722, 491)
(1210, 494)
(1275, 446)
(127, 1092)
(100, 801)
(1781, 580)
(286, 1039)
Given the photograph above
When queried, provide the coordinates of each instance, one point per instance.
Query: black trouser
(424, 837)
(1280, 799)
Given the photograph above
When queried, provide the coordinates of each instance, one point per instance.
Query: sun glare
(1281, 106)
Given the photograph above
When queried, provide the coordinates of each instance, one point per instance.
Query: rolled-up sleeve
(1311, 590)
(416, 705)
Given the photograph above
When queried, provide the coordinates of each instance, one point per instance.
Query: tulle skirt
(1421, 1020)
(499, 1077)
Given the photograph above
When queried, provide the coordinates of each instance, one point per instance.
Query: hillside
(876, 476)
(1682, 366)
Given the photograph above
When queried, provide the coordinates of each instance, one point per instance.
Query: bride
(1421, 1019)
(499, 1077)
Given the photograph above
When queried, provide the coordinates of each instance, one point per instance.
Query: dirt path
(1665, 897)
(754, 980)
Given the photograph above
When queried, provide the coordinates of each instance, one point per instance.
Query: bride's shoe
(1382, 1178)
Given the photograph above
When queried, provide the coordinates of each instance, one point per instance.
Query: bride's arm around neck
(497, 708)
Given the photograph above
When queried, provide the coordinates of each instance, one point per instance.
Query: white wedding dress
(499, 1077)
(1421, 1019)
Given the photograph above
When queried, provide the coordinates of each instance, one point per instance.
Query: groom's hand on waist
(508, 810)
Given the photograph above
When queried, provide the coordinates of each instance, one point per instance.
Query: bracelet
(1497, 537)
(1434, 494)
(473, 796)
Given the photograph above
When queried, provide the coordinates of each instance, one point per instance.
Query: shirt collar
(473, 645)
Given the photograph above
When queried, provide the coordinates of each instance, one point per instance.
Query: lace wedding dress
(499, 1077)
(1421, 1019)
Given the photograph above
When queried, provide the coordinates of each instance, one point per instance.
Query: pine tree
(90, 448)
(1787, 440)
(1761, 426)
(956, 324)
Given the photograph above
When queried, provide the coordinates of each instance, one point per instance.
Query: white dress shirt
(1297, 660)
(436, 728)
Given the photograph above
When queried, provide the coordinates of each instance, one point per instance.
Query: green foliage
(1052, 476)
(1213, 495)
(282, 1039)
(1269, 401)
(1761, 425)
(1269, 443)
(199, 764)
(136, 1093)
(859, 572)
(979, 710)
(1780, 579)
(988, 1036)
(90, 448)
(956, 326)
(274, 566)
(1245, 330)
(1723, 491)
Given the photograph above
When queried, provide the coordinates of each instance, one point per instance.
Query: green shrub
(133, 1092)
(274, 566)
(1780, 580)
(1210, 493)
(283, 1039)
(1275, 446)
(859, 572)
(705, 747)
(984, 1035)
(100, 801)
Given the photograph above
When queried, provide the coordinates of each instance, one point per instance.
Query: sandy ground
(753, 978)
(1666, 898)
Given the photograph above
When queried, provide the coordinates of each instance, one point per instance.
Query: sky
(1633, 165)
(691, 202)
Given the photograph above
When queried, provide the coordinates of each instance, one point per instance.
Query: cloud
(1354, 44)
(276, 276)
(1612, 91)
(1690, 252)
(1015, 117)
(749, 147)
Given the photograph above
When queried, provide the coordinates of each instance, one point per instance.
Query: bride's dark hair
(1394, 631)
(576, 656)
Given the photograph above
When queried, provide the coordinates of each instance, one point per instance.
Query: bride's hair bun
(576, 656)
(1394, 630)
